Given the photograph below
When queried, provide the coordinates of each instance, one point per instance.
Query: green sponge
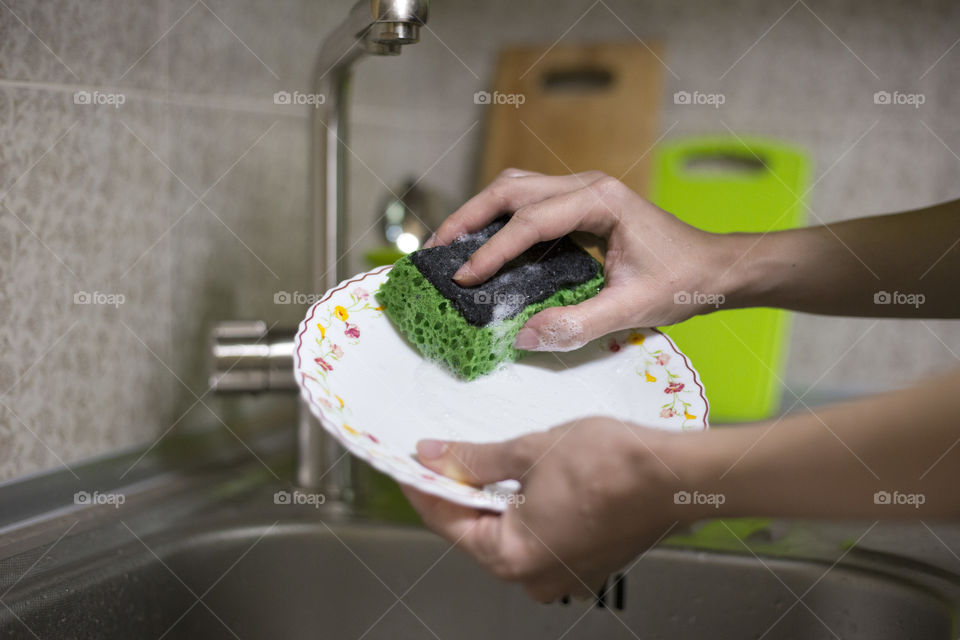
(438, 328)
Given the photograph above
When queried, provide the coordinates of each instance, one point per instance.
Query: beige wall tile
(199, 97)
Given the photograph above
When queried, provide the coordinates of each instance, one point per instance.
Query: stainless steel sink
(210, 555)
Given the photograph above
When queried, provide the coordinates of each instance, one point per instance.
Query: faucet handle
(247, 357)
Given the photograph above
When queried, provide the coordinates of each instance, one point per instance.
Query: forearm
(901, 265)
(833, 462)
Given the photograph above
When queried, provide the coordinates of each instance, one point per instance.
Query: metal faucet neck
(373, 27)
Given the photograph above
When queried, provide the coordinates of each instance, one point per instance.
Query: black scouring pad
(472, 328)
(532, 277)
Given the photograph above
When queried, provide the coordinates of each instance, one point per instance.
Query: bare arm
(899, 265)
(903, 265)
(891, 456)
(833, 463)
(895, 456)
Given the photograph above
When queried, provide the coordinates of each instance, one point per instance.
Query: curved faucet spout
(398, 21)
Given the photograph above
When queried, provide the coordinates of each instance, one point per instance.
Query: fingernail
(431, 449)
(527, 340)
(464, 272)
(430, 241)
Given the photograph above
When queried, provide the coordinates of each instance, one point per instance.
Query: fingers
(500, 545)
(512, 190)
(571, 327)
(449, 520)
(593, 208)
(481, 209)
(487, 537)
(480, 464)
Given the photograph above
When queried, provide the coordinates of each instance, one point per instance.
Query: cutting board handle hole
(725, 163)
(577, 80)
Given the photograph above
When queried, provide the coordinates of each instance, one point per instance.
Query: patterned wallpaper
(172, 193)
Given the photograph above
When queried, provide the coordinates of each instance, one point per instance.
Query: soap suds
(563, 334)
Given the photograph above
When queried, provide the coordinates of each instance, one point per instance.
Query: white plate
(375, 393)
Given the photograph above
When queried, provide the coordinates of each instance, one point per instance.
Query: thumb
(479, 464)
(571, 327)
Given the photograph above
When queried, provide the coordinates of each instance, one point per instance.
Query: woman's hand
(650, 254)
(594, 495)
(598, 491)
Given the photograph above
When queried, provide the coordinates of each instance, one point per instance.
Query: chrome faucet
(246, 357)
(374, 27)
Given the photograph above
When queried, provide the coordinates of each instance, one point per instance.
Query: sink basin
(208, 552)
(313, 579)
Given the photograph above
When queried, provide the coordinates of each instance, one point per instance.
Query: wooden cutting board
(584, 106)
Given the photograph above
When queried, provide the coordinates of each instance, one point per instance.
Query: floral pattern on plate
(658, 361)
(377, 396)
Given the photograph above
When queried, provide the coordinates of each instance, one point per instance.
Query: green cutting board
(723, 184)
